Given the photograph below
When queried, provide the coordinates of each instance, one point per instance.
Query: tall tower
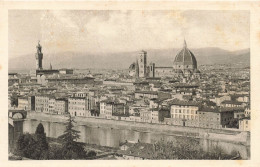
(142, 62)
(151, 72)
(136, 69)
(39, 57)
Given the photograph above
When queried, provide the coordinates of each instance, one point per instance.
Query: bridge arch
(18, 116)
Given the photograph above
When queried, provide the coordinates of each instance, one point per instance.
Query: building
(140, 69)
(81, 104)
(102, 109)
(23, 103)
(209, 118)
(42, 103)
(13, 78)
(244, 124)
(70, 80)
(151, 70)
(230, 103)
(31, 103)
(77, 106)
(110, 109)
(185, 63)
(163, 71)
(61, 106)
(52, 102)
(184, 66)
(219, 99)
(247, 111)
(146, 94)
(41, 73)
(184, 113)
(145, 116)
(154, 116)
(65, 71)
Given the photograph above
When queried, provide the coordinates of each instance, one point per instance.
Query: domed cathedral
(185, 64)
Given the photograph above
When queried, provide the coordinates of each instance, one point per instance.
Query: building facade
(42, 103)
(61, 106)
(77, 106)
(184, 66)
(184, 113)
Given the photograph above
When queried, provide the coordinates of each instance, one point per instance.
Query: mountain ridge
(122, 60)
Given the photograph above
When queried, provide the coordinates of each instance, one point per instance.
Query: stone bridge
(15, 126)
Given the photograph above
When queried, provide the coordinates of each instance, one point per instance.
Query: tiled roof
(231, 102)
(183, 103)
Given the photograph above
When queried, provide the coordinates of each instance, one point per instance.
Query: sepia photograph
(129, 85)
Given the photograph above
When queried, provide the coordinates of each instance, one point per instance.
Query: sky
(100, 31)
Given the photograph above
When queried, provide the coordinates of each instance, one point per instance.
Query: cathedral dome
(132, 66)
(132, 69)
(185, 59)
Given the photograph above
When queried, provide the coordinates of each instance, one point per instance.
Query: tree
(186, 148)
(91, 153)
(33, 146)
(71, 149)
(25, 145)
(41, 149)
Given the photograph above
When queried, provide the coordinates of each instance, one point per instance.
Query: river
(112, 136)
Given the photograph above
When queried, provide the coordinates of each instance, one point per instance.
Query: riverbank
(234, 135)
(110, 133)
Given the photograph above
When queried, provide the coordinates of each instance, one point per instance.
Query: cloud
(117, 31)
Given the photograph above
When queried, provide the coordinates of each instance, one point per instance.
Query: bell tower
(39, 57)
(142, 63)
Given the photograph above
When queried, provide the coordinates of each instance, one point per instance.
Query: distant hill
(161, 57)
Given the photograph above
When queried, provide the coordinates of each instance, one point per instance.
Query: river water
(104, 136)
(112, 137)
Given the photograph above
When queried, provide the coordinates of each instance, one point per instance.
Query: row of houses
(154, 110)
(180, 113)
(78, 104)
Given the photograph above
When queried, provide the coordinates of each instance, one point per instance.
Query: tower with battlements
(39, 57)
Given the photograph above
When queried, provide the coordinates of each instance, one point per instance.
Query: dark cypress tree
(40, 129)
(41, 148)
(71, 149)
